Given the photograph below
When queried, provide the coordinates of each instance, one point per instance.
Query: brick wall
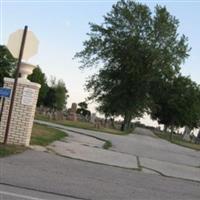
(22, 116)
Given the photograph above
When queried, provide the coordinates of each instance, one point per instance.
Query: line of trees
(140, 53)
(53, 95)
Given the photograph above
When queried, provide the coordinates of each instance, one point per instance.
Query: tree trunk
(165, 128)
(171, 133)
(126, 123)
(112, 122)
(105, 121)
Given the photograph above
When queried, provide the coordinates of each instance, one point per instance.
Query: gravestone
(72, 112)
(93, 118)
(186, 134)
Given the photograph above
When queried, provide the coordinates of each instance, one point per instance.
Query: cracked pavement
(142, 151)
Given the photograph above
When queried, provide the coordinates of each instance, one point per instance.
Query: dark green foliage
(177, 103)
(83, 105)
(7, 64)
(39, 77)
(50, 99)
(56, 97)
(61, 95)
(134, 48)
(82, 110)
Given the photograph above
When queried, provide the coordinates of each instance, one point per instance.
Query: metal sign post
(15, 84)
(2, 106)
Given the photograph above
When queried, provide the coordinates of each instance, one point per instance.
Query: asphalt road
(144, 146)
(43, 176)
(8, 192)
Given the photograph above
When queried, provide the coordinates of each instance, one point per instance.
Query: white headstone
(187, 133)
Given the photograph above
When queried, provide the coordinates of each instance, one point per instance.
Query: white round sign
(30, 48)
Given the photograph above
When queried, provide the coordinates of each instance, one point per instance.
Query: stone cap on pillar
(26, 69)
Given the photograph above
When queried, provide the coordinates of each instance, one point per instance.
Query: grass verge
(43, 135)
(177, 139)
(107, 145)
(6, 150)
(83, 125)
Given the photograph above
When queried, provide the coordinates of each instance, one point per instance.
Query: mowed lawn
(84, 125)
(177, 139)
(41, 135)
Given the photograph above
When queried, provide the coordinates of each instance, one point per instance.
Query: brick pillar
(23, 112)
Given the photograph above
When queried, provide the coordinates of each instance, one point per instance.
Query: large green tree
(57, 95)
(39, 77)
(7, 64)
(61, 95)
(177, 103)
(133, 47)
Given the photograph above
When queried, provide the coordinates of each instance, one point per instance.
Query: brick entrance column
(23, 111)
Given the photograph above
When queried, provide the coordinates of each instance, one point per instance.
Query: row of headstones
(71, 115)
(188, 135)
(60, 115)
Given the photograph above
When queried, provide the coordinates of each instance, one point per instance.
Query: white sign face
(28, 96)
(31, 44)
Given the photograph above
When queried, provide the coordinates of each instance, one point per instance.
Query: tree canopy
(82, 110)
(7, 63)
(39, 77)
(53, 96)
(134, 48)
(177, 103)
(57, 95)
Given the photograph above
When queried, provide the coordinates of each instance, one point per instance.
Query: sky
(61, 28)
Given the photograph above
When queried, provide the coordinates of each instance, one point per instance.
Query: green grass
(6, 150)
(83, 125)
(177, 139)
(43, 135)
(107, 145)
